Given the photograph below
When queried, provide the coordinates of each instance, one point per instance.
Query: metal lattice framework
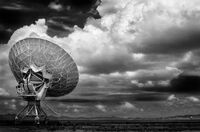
(42, 55)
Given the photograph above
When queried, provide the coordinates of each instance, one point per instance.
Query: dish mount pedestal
(32, 111)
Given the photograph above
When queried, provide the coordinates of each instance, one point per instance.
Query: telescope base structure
(32, 111)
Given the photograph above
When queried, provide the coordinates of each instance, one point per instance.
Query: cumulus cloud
(140, 41)
(128, 105)
(55, 6)
(172, 98)
(193, 99)
(76, 110)
(101, 107)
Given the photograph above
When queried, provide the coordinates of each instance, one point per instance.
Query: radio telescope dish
(42, 69)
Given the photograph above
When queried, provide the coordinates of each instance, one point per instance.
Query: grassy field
(7, 123)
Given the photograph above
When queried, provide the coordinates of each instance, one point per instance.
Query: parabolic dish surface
(55, 60)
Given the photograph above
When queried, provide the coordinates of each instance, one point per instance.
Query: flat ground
(7, 123)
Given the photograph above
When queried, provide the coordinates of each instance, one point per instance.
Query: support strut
(32, 111)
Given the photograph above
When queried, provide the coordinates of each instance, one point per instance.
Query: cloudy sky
(137, 55)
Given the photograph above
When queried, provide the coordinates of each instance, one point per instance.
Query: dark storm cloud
(84, 100)
(89, 83)
(188, 66)
(155, 75)
(150, 97)
(115, 98)
(4, 36)
(91, 94)
(11, 18)
(85, 5)
(16, 14)
(115, 63)
(122, 95)
(184, 83)
(8, 98)
(174, 40)
(55, 27)
(138, 97)
(14, 19)
(110, 67)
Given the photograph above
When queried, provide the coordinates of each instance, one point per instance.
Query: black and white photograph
(99, 65)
